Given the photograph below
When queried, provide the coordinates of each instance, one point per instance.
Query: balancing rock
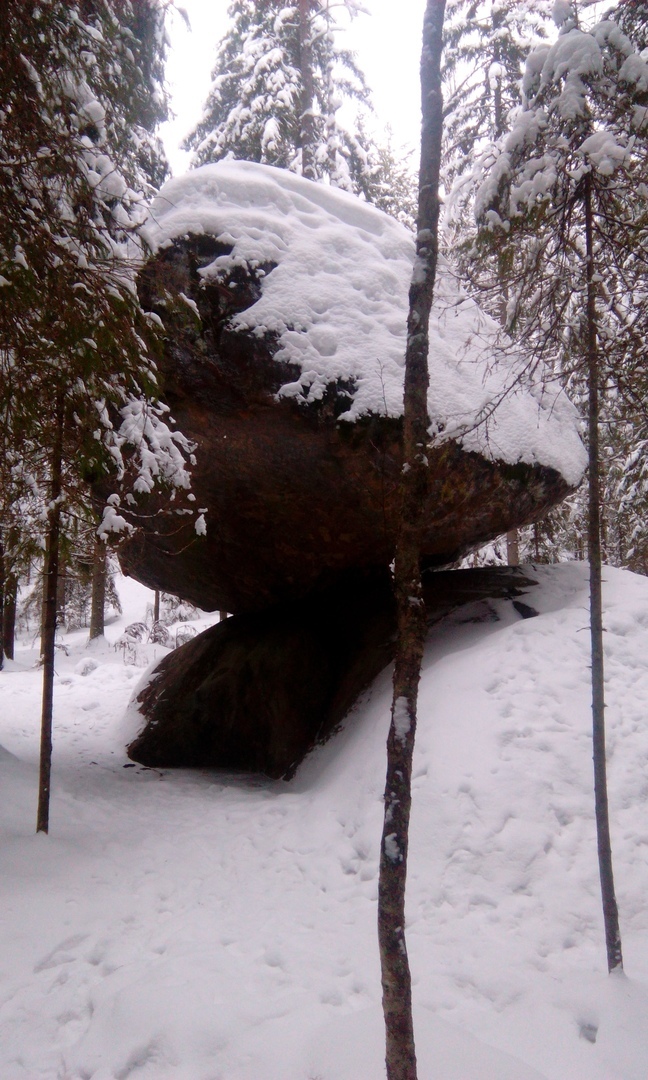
(284, 304)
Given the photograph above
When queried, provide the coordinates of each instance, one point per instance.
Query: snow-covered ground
(196, 926)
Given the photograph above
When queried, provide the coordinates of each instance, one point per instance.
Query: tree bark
(61, 590)
(2, 599)
(50, 597)
(98, 603)
(610, 910)
(513, 547)
(307, 127)
(412, 623)
(9, 616)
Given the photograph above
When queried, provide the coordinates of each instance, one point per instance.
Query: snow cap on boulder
(336, 298)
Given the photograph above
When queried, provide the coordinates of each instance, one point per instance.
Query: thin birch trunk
(412, 623)
(48, 641)
(608, 896)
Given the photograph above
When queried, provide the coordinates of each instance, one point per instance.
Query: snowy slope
(337, 297)
(195, 926)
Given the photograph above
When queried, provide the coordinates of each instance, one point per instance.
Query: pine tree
(278, 83)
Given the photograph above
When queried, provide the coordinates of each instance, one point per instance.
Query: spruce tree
(77, 373)
(632, 17)
(487, 43)
(564, 531)
(486, 46)
(278, 83)
(567, 203)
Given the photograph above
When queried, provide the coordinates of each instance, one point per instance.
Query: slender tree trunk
(8, 593)
(2, 599)
(512, 536)
(156, 607)
(98, 603)
(610, 911)
(331, 109)
(48, 642)
(307, 126)
(412, 623)
(513, 547)
(499, 24)
(9, 615)
(61, 588)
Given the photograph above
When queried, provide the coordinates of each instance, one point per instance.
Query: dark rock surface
(296, 500)
(258, 691)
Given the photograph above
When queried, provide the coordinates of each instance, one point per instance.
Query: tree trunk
(331, 109)
(9, 616)
(2, 599)
(499, 27)
(512, 548)
(412, 623)
(610, 911)
(61, 589)
(48, 641)
(8, 593)
(307, 127)
(503, 260)
(156, 607)
(98, 604)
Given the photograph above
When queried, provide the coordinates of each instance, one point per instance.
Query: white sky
(387, 43)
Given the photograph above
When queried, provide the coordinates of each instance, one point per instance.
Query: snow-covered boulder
(285, 304)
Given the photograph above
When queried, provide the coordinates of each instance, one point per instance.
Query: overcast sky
(387, 43)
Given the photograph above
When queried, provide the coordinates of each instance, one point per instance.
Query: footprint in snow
(61, 954)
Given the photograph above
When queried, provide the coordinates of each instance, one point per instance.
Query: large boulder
(258, 691)
(284, 305)
(285, 308)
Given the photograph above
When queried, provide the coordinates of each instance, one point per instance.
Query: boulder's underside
(295, 498)
(258, 691)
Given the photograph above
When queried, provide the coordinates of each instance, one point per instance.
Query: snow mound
(337, 299)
